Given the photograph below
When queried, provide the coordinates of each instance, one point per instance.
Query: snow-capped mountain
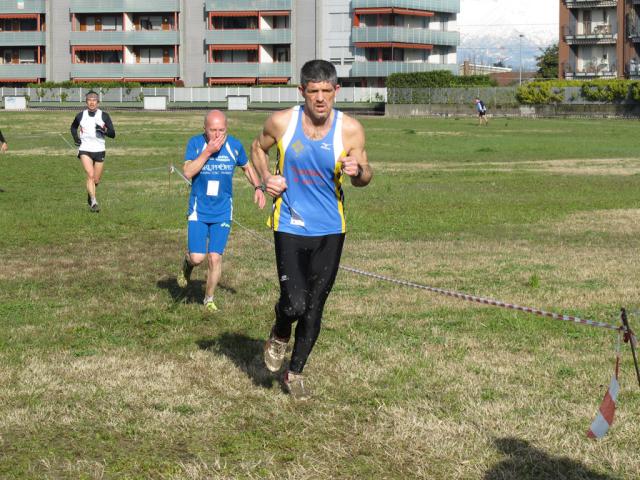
(490, 48)
(490, 30)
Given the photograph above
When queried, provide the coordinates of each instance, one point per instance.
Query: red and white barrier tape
(463, 296)
(486, 301)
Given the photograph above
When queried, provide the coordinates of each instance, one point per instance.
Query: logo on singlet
(297, 147)
(325, 146)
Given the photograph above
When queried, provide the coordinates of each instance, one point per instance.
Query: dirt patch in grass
(612, 166)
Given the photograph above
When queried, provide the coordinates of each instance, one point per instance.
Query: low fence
(191, 95)
(492, 97)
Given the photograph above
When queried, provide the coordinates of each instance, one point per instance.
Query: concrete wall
(58, 34)
(193, 29)
(594, 111)
(304, 23)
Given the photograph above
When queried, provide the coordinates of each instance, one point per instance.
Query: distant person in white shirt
(94, 126)
(482, 112)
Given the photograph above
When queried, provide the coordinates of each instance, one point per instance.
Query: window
(235, 56)
(281, 54)
(151, 55)
(111, 23)
(235, 23)
(281, 21)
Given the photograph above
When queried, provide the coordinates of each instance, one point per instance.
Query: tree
(547, 63)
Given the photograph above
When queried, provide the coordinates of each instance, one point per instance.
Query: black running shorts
(95, 156)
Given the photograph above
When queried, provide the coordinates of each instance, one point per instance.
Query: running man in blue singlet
(209, 161)
(316, 146)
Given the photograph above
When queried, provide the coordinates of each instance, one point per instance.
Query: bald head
(215, 124)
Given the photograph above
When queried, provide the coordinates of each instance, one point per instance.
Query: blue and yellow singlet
(312, 204)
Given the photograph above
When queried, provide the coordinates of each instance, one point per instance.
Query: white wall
(265, 54)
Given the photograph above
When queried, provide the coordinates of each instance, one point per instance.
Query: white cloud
(538, 18)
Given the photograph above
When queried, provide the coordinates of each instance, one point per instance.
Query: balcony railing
(591, 3)
(125, 70)
(24, 70)
(141, 37)
(591, 69)
(633, 28)
(384, 69)
(632, 68)
(404, 35)
(29, 6)
(590, 34)
(446, 6)
(236, 69)
(108, 6)
(22, 39)
(252, 5)
(265, 37)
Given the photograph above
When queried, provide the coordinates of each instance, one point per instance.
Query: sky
(536, 20)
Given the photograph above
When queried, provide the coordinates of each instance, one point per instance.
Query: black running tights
(307, 268)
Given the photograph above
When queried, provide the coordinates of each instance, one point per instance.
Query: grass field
(108, 370)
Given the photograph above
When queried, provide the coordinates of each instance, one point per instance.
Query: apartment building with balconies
(22, 41)
(213, 42)
(134, 40)
(401, 36)
(599, 39)
(248, 41)
(592, 39)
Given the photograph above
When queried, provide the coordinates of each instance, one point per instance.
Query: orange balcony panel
(239, 13)
(97, 48)
(275, 13)
(148, 80)
(413, 13)
(231, 80)
(19, 15)
(397, 11)
(373, 11)
(272, 80)
(416, 46)
(231, 46)
(18, 80)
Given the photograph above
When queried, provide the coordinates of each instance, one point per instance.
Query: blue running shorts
(198, 232)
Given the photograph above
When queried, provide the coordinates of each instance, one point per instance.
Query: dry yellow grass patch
(623, 222)
(43, 151)
(611, 166)
(570, 276)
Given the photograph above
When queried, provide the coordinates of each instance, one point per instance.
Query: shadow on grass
(245, 353)
(194, 293)
(525, 462)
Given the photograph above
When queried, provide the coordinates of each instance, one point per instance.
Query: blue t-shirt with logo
(212, 188)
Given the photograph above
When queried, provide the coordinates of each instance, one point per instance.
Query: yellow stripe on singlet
(337, 181)
(274, 219)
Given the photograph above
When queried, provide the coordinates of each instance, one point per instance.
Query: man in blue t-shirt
(209, 161)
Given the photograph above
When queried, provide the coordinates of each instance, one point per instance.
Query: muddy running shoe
(95, 207)
(209, 306)
(185, 274)
(296, 386)
(274, 350)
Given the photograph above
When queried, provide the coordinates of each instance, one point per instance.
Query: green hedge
(607, 91)
(437, 79)
(539, 93)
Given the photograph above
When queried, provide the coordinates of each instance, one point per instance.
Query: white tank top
(91, 140)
